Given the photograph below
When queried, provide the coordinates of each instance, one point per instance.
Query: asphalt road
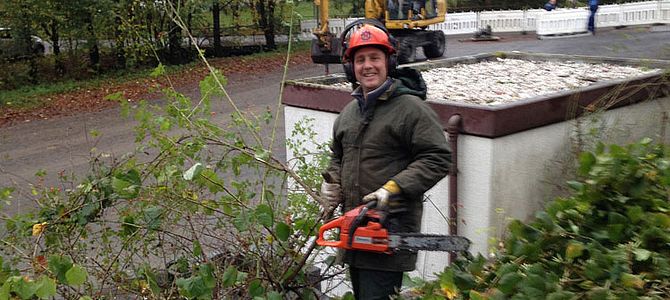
(64, 145)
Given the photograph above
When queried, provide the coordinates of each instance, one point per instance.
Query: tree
(216, 24)
(266, 21)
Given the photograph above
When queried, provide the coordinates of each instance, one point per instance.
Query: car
(7, 49)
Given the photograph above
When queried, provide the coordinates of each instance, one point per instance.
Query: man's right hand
(332, 192)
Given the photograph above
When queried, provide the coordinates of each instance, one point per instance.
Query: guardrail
(559, 21)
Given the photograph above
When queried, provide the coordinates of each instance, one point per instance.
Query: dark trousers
(373, 284)
(592, 18)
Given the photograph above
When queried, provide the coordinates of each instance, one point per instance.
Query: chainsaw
(362, 229)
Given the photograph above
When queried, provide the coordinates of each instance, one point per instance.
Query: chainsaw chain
(429, 242)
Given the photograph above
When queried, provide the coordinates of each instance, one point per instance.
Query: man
(388, 147)
(551, 5)
(593, 7)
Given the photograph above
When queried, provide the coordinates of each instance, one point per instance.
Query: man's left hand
(382, 196)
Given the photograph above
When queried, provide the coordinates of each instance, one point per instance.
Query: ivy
(607, 240)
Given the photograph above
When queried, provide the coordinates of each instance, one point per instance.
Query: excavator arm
(326, 48)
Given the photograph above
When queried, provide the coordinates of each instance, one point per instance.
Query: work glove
(332, 192)
(383, 194)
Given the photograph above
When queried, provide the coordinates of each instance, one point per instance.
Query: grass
(37, 95)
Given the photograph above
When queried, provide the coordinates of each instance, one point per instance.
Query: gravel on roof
(502, 80)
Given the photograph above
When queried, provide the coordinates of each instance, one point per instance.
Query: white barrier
(458, 23)
(566, 20)
(639, 13)
(608, 16)
(503, 21)
(562, 21)
(664, 12)
(531, 18)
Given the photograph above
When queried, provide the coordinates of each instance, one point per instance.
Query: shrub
(15, 75)
(609, 240)
(199, 211)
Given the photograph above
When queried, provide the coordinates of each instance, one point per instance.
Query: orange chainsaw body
(370, 235)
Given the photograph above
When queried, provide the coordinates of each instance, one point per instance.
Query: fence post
(479, 21)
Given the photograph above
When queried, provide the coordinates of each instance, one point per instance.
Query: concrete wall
(514, 175)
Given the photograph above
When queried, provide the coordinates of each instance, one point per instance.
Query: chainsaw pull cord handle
(358, 220)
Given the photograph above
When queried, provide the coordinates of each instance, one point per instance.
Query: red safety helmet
(368, 35)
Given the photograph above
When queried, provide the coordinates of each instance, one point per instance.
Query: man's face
(370, 67)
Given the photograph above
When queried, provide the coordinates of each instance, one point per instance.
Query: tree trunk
(120, 44)
(175, 51)
(266, 22)
(93, 50)
(52, 31)
(216, 23)
(189, 27)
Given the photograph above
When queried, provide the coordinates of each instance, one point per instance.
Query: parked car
(8, 49)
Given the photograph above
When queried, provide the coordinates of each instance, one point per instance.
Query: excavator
(406, 20)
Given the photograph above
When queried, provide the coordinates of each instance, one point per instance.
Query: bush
(15, 75)
(197, 212)
(609, 240)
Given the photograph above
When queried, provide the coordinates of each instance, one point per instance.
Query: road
(64, 145)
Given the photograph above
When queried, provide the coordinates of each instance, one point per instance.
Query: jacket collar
(380, 93)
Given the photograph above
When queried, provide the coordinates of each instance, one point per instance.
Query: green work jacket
(397, 138)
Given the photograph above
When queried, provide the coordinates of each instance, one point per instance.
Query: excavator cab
(406, 20)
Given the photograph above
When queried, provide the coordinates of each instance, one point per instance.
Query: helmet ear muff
(348, 64)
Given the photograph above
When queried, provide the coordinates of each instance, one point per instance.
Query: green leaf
(264, 215)
(241, 221)
(256, 288)
(575, 185)
(76, 275)
(24, 289)
(4, 291)
(560, 295)
(152, 217)
(282, 231)
(46, 287)
(117, 97)
(635, 213)
(464, 280)
(475, 295)
(128, 225)
(151, 280)
(508, 283)
(85, 298)
(507, 268)
(59, 265)
(262, 154)
(158, 71)
(210, 86)
(641, 254)
(586, 161)
(127, 185)
(206, 272)
(632, 281)
(193, 171)
(197, 248)
(574, 250)
(272, 295)
(229, 276)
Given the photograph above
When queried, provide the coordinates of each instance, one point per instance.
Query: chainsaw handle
(337, 223)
